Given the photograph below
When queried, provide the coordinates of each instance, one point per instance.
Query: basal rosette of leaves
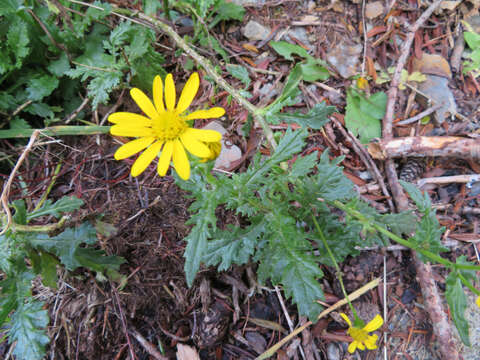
(54, 55)
(277, 205)
(25, 254)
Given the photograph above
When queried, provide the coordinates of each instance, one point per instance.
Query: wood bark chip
(433, 305)
(425, 146)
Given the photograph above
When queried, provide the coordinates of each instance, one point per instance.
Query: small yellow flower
(164, 132)
(215, 148)
(478, 301)
(361, 338)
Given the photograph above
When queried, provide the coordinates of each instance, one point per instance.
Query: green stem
(339, 272)
(55, 131)
(39, 228)
(468, 284)
(50, 186)
(401, 241)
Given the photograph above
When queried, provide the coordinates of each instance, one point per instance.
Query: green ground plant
(27, 252)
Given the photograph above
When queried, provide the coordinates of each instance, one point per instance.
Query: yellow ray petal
(374, 324)
(130, 131)
(188, 93)
(146, 158)
(165, 157)
(478, 301)
(215, 112)
(128, 118)
(133, 147)
(194, 146)
(352, 347)
(180, 160)
(143, 102)
(371, 342)
(204, 135)
(170, 94)
(158, 94)
(347, 320)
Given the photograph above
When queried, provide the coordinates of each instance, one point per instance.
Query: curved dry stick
(8, 184)
(434, 308)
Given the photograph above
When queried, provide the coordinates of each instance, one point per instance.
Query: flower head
(361, 338)
(478, 301)
(164, 132)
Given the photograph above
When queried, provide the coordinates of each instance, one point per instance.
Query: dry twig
(441, 326)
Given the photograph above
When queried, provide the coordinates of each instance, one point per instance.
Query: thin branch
(8, 184)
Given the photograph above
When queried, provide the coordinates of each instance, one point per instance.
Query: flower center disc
(168, 126)
(358, 334)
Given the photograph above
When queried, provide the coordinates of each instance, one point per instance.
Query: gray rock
(255, 31)
(255, 3)
(298, 33)
(229, 153)
(345, 58)
(436, 88)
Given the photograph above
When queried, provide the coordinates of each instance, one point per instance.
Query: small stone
(436, 88)
(256, 341)
(333, 352)
(255, 31)
(298, 33)
(345, 58)
(255, 3)
(374, 9)
(229, 153)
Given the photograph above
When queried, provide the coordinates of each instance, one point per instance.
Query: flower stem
(338, 271)
(468, 284)
(401, 241)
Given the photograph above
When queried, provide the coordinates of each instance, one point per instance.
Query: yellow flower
(215, 148)
(361, 338)
(164, 132)
(478, 301)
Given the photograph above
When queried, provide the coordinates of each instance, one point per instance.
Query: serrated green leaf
(63, 205)
(150, 7)
(66, 246)
(329, 183)
(240, 73)
(363, 114)
(100, 87)
(17, 123)
(403, 223)
(286, 49)
(314, 119)
(27, 328)
(303, 165)
(20, 216)
(233, 246)
(45, 265)
(457, 302)
(228, 11)
(40, 87)
(304, 290)
(40, 109)
(421, 200)
(15, 288)
(10, 6)
(17, 42)
(60, 66)
(205, 222)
